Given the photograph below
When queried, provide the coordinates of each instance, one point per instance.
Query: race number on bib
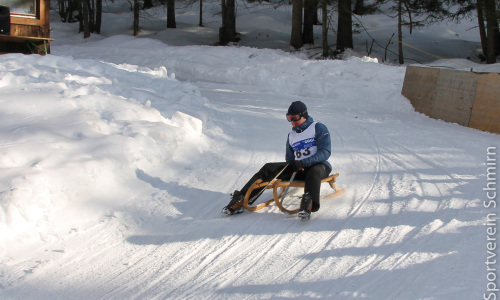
(303, 143)
(302, 149)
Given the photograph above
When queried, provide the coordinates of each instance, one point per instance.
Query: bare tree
(413, 13)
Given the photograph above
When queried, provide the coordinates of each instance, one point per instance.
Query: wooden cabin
(29, 26)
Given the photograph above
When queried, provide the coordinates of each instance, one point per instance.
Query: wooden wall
(28, 27)
(468, 98)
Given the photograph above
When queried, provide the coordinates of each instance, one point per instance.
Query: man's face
(295, 119)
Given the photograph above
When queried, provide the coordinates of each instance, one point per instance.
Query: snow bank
(75, 132)
(274, 70)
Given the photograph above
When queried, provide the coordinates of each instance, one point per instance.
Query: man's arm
(324, 145)
(290, 155)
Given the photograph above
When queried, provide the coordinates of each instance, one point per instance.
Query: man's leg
(313, 177)
(267, 173)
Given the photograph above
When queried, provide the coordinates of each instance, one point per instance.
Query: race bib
(304, 143)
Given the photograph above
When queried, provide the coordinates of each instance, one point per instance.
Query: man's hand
(297, 165)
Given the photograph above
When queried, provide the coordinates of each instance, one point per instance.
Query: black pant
(312, 177)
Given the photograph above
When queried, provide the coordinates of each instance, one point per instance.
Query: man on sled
(308, 148)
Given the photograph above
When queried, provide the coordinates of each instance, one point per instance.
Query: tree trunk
(359, 7)
(200, 23)
(230, 28)
(222, 38)
(71, 7)
(227, 32)
(62, 11)
(308, 29)
(136, 17)
(98, 17)
(80, 14)
(147, 4)
(344, 31)
(400, 33)
(497, 39)
(171, 14)
(316, 9)
(85, 19)
(91, 15)
(482, 29)
(491, 30)
(324, 27)
(296, 37)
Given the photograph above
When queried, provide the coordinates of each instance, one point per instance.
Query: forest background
(342, 17)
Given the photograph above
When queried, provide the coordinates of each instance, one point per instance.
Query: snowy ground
(117, 155)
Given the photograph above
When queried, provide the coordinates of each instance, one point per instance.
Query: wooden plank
(24, 44)
(22, 39)
(486, 109)
(419, 87)
(454, 96)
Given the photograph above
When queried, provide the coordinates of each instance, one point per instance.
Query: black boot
(305, 207)
(315, 207)
(235, 206)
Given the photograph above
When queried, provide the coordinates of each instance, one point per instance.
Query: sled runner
(279, 188)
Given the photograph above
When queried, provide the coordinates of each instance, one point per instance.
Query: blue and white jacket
(322, 142)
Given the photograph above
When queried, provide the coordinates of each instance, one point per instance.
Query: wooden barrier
(468, 98)
(486, 109)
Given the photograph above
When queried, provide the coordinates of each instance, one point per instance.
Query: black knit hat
(297, 108)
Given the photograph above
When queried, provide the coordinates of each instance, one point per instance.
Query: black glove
(297, 165)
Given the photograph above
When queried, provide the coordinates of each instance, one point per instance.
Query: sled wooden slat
(279, 187)
(257, 184)
(300, 184)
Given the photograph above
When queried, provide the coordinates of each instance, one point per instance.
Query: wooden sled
(279, 188)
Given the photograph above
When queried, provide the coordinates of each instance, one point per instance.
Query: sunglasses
(293, 118)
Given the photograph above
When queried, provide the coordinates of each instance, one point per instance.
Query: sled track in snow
(186, 290)
(375, 180)
(402, 251)
(444, 171)
(226, 247)
(301, 263)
